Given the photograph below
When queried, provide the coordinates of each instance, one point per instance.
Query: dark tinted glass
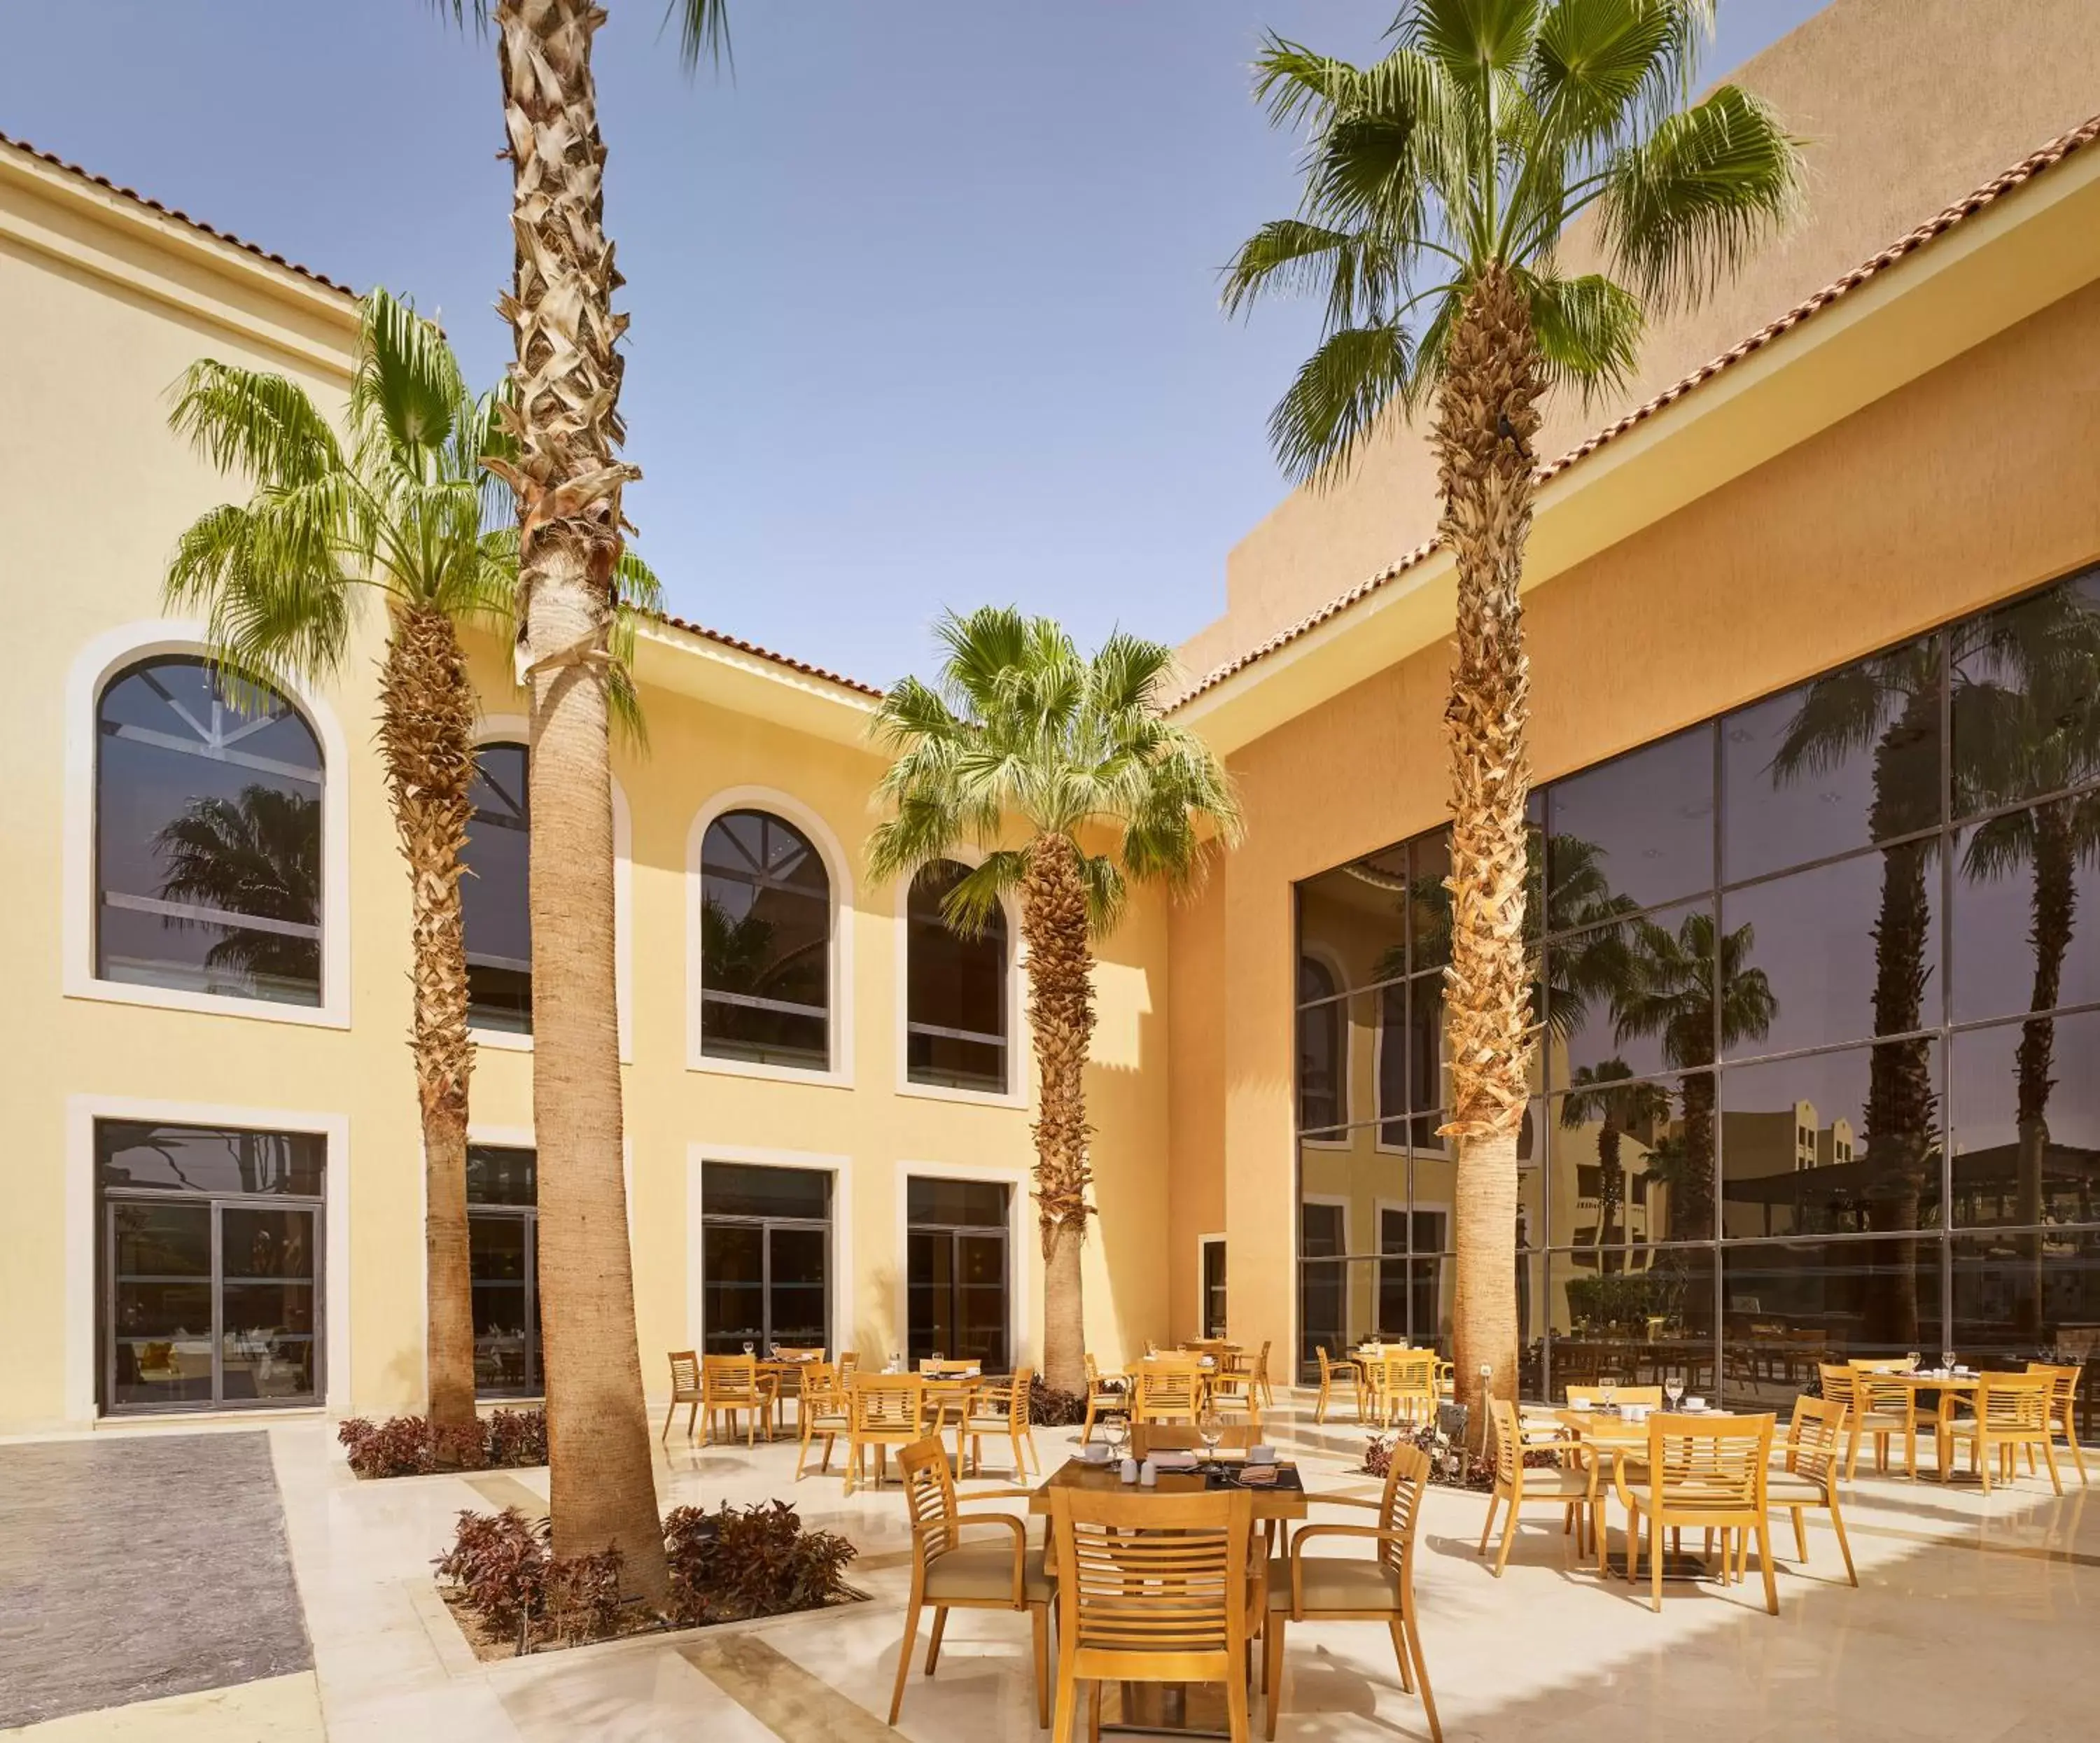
(2026, 707)
(1792, 1305)
(2026, 900)
(1637, 1318)
(1410, 1057)
(733, 1287)
(495, 896)
(955, 991)
(1848, 950)
(204, 1160)
(1839, 762)
(1640, 828)
(955, 1203)
(731, 1189)
(1832, 1143)
(1323, 1060)
(205, 811)
(1354, 918)
(1325, 1230)
(497, 1175)
(765, 925)
(1637, 993)
(2025, 1104)
(2019, 1298)
(1604, 1131)
(1429, 903)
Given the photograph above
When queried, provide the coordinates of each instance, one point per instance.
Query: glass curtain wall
(1820, 990)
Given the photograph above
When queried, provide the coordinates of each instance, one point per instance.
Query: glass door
(955, 1271)
(766, 1246)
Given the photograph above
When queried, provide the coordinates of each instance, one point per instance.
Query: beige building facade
(1867, 463)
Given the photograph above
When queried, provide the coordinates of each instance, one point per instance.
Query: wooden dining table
(1610, 1434)
(1923, 1379)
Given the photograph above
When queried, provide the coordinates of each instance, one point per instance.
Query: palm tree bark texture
(567, 379)
(1060, 1014)
(2053, 905)
(1487, 413)
(427, 737)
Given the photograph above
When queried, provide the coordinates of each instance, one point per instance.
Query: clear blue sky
(924, 297)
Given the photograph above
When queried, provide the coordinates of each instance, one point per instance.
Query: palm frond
(1588, 330)
(1684, 207)
(1604, 68)
(407, 399)
(703, 25)
(251, 421)
(1319, 425)
(975, 898)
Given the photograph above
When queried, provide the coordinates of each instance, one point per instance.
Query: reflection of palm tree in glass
(255, 857)
(741, 957)
(1607, 1094)
(1891, 704)
(1670, 995)
(2037, 733)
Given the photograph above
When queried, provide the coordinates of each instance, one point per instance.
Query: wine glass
(749, 1347)
(1210, 1429)
(1115, 1430)
(1673, 1389)
(1607, 1384)
(1947, 1360)
(1911, 1361)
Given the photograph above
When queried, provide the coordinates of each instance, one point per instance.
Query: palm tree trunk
(427, 737)
(2053, 905)
(1900, 1099)
(1487, 413)
(566, 381)
(1609, 1178)
(1061, 1013)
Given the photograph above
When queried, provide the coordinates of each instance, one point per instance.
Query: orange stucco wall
(1973, 482)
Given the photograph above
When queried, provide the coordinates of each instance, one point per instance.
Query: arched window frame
(104, 658)
(788, 810)
(1020, 1053)
(515, 729)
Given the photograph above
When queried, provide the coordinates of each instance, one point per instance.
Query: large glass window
(210, 1266)
(1819, 1001)
(955, 1017)
(496, 894)
(765, 1251)
(207, 835)
(503, 1250)
(765, 943)
(955, 1271)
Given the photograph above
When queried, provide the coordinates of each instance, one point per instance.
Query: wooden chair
(1880, 1408)
(2012, 1410)
(1377, 1587)
(1261, 1380)
(1234, 1391)
(1332, 1372)
(823, 1412)
(999, 1407)
(2063, 1383)
(685, 1389)
(1152, 1589)
(1807, 1477)
(1651, 1395)
(1571, 1486)
(1148, 1438)
(1404, 1387)
(1166, 1390)
(950, 1574)
(1696, 1473)
(732, 1386)
(883, 1411)
(1103, 1398)
(848, 1365)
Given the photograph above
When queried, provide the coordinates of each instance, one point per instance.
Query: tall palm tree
(1439, 182)
(1608, 1094)
(1021, 735)
(400, 512)
(567, 479)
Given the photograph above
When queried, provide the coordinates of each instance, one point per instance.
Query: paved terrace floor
(1974, 1620)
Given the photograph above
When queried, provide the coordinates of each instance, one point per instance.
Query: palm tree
(400, 510)
(1439, 184)
(1023, 734)
(565, 419)
(1608, 1094)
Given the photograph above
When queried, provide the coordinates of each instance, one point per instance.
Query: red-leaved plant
(414, 1446)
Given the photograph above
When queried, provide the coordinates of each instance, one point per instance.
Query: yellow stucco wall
(107, 304)
(1971, 483)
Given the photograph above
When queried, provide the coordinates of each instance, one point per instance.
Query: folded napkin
(1174, 1461)
(1258, 1476)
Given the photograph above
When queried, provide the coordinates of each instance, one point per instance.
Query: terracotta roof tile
(2021, 173)
(180, 217)
(766, 653)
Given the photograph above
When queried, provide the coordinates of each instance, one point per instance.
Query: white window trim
(515, 729)
(1019, 1329)
(1348, 1251)
(81, 1223)
(1020, 1052)
(99, 660)
(843, 1283)
(837, 869)
(1204, 1242)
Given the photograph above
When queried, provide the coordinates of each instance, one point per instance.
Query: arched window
(955, 992)
(1322, 1048)
(207, 835)
(765, 943)
(496, 898)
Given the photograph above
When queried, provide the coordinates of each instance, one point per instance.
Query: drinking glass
(1911, 1361)
(1210, 1429)
(749, 1347)
(1606, 1385)
(1947, 1362)
(1673, 1389)
(1115, 1430)
(938, 1358)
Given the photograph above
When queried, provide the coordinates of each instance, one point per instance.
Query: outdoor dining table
(1609, 1432)
(1924, 1379)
